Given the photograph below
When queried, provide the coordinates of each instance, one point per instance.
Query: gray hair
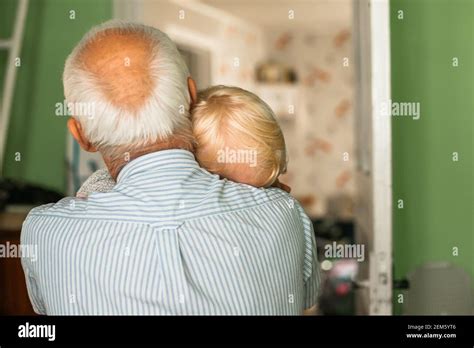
(162, 113)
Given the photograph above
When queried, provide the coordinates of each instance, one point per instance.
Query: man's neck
(122, 157)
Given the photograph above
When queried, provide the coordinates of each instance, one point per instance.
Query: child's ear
(76, 131)
(192, 90)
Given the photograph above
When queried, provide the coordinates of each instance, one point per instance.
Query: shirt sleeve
(33, 291)
(311, 269)
(28, 268)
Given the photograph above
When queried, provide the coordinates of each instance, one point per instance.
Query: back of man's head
(134, 80)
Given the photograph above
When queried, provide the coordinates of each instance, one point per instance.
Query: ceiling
(308, 14)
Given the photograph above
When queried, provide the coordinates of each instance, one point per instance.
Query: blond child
(237, 136)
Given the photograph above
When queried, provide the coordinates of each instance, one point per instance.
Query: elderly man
(169, 238)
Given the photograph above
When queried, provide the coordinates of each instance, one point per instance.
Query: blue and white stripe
(171, 238)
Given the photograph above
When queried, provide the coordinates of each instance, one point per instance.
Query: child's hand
(281, 186)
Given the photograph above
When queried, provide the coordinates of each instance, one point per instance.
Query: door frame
(374, 144)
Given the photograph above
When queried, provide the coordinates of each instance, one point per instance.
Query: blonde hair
(231, 117)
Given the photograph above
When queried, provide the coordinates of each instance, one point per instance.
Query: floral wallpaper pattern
(320, 138)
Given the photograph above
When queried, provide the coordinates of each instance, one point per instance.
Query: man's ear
(76, 131)
(192, 90)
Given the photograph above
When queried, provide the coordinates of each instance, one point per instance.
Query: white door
(373, 144)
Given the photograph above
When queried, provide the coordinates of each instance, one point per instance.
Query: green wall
(35, 131)
(437, 192)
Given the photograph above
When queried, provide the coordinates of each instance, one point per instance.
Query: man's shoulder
(239, 202)
(70, 215)
(63, 207)
(52, 213)
(234, 191)
(225, 196)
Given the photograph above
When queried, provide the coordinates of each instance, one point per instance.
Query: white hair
(163, 112)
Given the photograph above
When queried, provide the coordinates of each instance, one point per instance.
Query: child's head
(238, 137)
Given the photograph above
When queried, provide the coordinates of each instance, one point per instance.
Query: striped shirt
(172, 239)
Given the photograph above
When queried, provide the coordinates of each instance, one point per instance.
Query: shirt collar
(158, 161)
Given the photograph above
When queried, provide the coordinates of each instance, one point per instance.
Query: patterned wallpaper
(320, 137)
(239, 51)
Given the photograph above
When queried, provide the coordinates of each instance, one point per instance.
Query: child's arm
(281, 186)
(99, 181)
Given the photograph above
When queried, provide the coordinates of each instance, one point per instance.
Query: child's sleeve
(99, 181)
